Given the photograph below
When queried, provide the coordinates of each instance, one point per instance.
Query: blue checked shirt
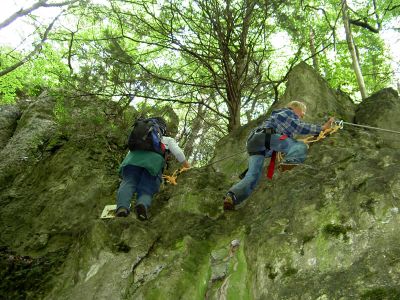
(285, 121)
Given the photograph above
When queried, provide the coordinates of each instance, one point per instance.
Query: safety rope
(171, 179)
(341, 123)
(334, 128)
(308, 140)
(224, 158)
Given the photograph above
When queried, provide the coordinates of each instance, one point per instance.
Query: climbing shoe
(229, 202)
(283, 167)
(122, 212)
(141, 212)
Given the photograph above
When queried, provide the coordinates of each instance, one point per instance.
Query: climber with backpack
(141, 170)
(275, 135)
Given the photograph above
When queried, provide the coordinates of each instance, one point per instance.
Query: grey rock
(9, 115)
(381, 110)
(324, 230)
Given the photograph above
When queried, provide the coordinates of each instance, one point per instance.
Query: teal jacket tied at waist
(151, 161)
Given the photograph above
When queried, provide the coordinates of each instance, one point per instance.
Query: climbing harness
(341, 123)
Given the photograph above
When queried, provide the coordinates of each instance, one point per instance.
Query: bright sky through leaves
(18, 34)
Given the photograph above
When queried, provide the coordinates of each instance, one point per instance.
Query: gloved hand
(328, 123)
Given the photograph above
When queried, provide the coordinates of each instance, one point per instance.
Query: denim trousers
(295, 152)
(137, 180)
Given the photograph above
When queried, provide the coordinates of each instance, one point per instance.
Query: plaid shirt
(285, 121)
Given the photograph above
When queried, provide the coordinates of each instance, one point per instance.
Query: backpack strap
(267, 133)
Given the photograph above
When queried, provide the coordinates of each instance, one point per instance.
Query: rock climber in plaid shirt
(275, 135)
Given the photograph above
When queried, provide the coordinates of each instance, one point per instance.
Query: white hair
(297, 104)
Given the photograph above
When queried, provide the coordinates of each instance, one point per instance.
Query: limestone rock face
(325, 230)
(382, 110)
(305, 84)
(23, 149)
(9, 116)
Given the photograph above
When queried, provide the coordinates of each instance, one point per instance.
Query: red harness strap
(271, 166)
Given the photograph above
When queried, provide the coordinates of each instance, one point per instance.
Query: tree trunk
(313, 50)
(352, 49)
(200, 154)
(251, 110)
(234, 103)
(195, 130)
(235, 62)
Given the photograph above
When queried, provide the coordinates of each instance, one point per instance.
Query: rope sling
(312, 139)
(171, 179)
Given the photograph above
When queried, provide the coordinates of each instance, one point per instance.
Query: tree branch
(86, 94)
(71, 42)
(24, 12)
(363, 25)
(37, 48)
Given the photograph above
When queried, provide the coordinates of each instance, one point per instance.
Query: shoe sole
(286, 167)
(141, 213)
(123, 213)
(228, 206)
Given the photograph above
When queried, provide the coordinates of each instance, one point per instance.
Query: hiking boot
(283, 167)
(141, 212)
(122, 212)
(229, 202)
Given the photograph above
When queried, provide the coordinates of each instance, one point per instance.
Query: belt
(257, 153)
(266, 130)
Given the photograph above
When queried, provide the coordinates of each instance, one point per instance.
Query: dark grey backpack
(146, 135)
(258, 141)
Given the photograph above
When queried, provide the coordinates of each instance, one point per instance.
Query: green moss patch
(382, 294)
(336, 230)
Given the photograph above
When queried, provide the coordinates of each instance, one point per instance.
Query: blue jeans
(244, 187)
(137, 180)
(295, 152)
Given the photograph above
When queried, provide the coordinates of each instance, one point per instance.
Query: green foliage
(11, 82)
(324, 19)
(29, 80)
(375, 64)
(231, 58)
(61, 114)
